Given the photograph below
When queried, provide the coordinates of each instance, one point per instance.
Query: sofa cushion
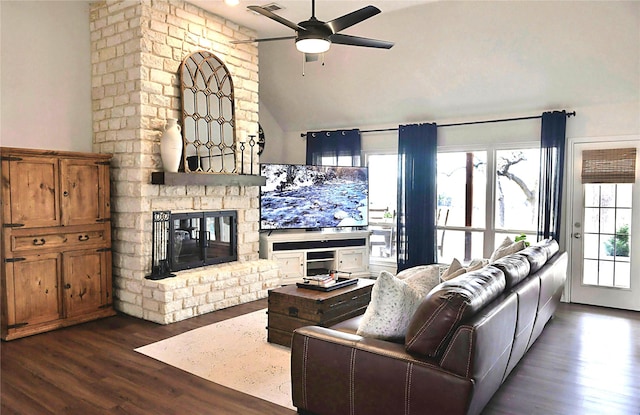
(450, 303)
(536, 255)
(393, 302)
(515, 267)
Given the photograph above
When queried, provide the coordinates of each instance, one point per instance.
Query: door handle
(577, 235)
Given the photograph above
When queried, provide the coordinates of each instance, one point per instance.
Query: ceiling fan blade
(264, 39)
(340, 39)
(352, 18)
(275, 17)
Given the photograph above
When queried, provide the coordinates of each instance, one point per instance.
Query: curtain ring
(328, 134)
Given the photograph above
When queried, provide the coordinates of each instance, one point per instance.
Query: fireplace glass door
(202, 238)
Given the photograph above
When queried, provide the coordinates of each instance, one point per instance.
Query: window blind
(609, 166)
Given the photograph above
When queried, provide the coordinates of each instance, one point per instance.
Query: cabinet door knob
(67, 286)
(65, 193)
(40, 241)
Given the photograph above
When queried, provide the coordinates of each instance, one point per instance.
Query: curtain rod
(533, 117)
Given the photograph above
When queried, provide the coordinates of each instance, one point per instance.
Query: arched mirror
(208, 116)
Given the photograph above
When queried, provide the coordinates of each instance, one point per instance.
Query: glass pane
(590, 273)
(453, 246)
(591, 220)
(606, 274)
(517, 176)
(383, 185)
(591, 195)
(624, 195)
(382, 241)
(591, 246)
(623, 220)
(185, 243)
(607, 195)
(623, 274)
(607, 246)
(452, 187)
(607, 220)
(218, 237)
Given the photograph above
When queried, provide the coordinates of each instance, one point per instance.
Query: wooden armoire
(56, 240)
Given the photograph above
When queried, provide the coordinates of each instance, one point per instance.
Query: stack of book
(320, 280)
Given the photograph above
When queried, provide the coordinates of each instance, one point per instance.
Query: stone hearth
(137, 48)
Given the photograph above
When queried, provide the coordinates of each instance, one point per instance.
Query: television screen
(307, 197)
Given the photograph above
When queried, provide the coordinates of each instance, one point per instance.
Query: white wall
(274, 137)
(45, 75)
(607, 119)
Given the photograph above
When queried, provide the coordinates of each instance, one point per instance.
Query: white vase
(171, 146)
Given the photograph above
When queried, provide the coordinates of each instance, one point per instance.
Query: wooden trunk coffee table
(291, 307)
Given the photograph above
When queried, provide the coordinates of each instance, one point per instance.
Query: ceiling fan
(314, 36)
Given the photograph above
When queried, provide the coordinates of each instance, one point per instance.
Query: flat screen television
(298, 196)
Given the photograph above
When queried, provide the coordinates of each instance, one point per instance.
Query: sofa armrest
(334, 372)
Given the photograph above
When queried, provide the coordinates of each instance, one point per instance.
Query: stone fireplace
(137, 48)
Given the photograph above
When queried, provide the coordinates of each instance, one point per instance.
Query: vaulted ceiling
(451, 60)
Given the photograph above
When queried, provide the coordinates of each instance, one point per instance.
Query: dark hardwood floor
(587, 361)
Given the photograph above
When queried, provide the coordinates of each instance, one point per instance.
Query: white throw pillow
(452, 275)
(505, 243)
(392, 305)
(453, 270)
(421, 278)
(477, 264)
(511, 249)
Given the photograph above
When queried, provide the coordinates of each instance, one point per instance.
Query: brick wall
(137, 47)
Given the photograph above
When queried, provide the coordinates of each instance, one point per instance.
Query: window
(484, 196)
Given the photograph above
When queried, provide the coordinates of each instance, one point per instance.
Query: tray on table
(340, 283)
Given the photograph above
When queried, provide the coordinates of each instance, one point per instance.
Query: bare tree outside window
(517, 184)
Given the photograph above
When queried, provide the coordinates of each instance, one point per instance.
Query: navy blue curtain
(417, 152)
(552, 149)
(333, 148)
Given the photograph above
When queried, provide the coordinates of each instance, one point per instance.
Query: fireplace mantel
(206, 179)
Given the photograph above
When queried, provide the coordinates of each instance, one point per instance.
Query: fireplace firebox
(191, 240)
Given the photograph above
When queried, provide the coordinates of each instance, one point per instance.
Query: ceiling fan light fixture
(313, 45)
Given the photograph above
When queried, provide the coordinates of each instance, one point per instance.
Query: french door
(603, 234)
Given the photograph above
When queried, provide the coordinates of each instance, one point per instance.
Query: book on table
(320, 280)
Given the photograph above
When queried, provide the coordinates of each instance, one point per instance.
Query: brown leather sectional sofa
(463, 341)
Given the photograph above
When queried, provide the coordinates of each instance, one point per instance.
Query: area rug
(233, 353)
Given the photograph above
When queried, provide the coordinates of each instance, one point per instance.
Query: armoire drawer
(41, 239)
